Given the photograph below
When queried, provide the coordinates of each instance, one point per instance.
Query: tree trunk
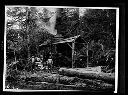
(102, 47)
(78, 83)
(37, 48)
(73, 47)
(54, 78)
(15, 55)
(15, 58)
(87, 74)
(28, 38)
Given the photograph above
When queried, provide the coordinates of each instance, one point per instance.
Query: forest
(31, 32)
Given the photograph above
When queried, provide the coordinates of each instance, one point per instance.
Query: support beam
(69, 45)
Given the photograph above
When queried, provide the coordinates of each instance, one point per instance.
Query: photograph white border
(117, 38)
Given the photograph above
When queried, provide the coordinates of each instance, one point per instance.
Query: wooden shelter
(67, 40)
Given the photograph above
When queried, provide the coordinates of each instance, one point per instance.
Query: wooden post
(55, 49)
(73, 47)
(87, 56)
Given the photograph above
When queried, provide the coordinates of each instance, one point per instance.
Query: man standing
(33, 59)
(38, 62)
(42, 63)
(33, 62)
(50, 62)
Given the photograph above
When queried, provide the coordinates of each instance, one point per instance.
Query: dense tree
(22, 22)
(97, 27)
(27, 28)
(68, 22)
(15, 31)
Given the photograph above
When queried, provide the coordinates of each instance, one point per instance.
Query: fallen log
(97, 83)
(84, 74)
(76, 82)
(54, 78)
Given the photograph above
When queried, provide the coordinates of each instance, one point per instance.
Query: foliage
(68, 22)
(26, 29)
(22, 31)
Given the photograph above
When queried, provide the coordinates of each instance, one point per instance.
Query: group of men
(41, 64)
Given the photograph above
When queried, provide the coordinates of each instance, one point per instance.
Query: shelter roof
(62, 40)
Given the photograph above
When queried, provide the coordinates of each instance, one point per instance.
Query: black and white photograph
(60, 48)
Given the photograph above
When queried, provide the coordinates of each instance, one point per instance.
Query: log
(86, 74)
(53, 78)
(97, 83)
(87, 84)
(71, 81)
(65, 81)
